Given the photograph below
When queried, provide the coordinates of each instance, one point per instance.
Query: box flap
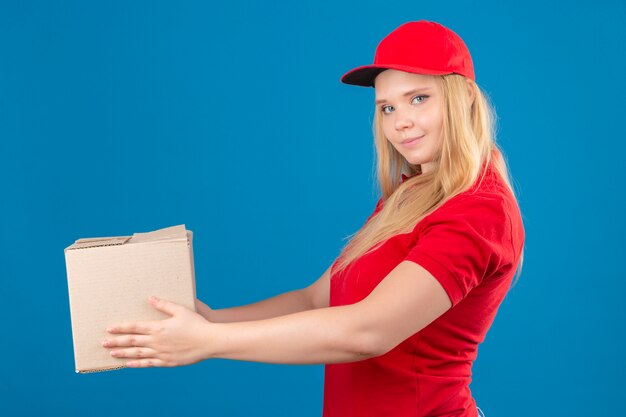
(98, 241)
(168, 233)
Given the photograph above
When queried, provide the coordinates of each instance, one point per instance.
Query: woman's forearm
(282, 304)
(324, 335)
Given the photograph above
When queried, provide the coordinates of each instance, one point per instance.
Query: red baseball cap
(421, 47)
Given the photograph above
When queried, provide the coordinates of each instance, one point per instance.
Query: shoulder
(488, 210)
(488, 195)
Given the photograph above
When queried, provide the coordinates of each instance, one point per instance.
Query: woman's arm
(407, 300)
(314, 296)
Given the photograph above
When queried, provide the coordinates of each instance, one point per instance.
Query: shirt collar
(404, 177)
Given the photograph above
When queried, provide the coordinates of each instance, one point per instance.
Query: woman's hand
(176, 341)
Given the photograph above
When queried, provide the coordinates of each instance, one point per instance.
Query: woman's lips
(411, 141)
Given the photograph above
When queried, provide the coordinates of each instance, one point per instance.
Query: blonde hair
(468, 146)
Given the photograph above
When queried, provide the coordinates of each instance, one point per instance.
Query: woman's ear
(471, 90)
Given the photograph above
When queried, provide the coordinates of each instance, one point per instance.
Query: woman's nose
(403, 120)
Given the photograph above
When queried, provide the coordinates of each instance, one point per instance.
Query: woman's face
(411, 108)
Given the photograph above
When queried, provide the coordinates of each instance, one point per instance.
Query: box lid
(174, 233)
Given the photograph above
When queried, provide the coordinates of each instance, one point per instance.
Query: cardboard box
(110, 279)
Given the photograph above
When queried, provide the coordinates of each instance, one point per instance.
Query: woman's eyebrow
(408, 93)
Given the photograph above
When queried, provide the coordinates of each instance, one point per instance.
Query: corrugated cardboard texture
(110, 280)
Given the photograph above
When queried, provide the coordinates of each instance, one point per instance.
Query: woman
(398, 317)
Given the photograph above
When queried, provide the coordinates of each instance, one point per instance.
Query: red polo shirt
(471, 245)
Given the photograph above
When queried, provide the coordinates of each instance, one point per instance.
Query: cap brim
(365, 75)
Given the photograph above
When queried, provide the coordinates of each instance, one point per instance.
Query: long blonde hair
(468, 145)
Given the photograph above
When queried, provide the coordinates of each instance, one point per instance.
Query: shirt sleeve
(463, 243)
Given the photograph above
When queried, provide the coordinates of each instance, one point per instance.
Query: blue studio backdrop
(229, 117)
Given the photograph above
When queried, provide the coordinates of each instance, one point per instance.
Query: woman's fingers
(138, 327)
(134, 347)
(135, 352)
(126, 340)
(165, 306)
(145, 363)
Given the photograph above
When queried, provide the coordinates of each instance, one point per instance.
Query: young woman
(399, 315)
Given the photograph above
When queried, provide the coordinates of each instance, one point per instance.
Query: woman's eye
(383, 109)
(416, 99)
(421, 98)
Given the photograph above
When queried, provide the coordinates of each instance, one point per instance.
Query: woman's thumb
(163, 305)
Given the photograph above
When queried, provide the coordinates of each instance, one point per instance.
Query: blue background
(119, 117)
